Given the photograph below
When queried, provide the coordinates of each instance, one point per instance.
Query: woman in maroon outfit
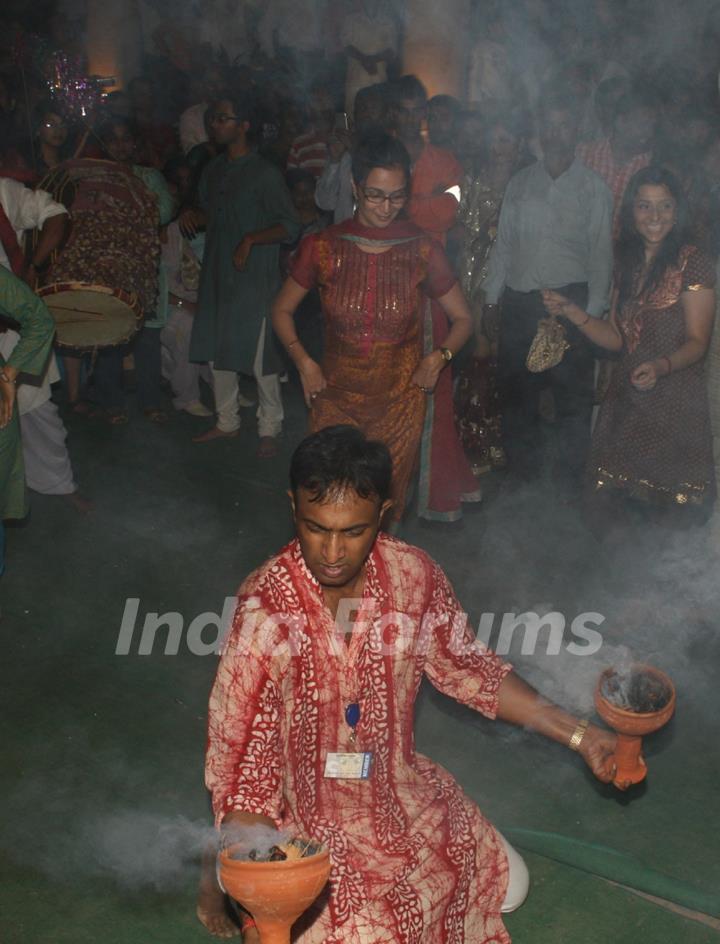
(652, 440)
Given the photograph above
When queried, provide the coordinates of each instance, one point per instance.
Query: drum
(90, 316)
(105, 276)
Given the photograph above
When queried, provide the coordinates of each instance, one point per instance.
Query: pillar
(436, 47)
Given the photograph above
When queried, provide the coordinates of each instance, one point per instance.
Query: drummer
(47, 462)
(118, 139)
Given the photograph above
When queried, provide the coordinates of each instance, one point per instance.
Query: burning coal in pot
(275, 882)
(635, 702)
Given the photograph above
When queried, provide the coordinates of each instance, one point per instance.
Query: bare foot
(218, 923)
(212, 908)
(79, 407)
(268, 447)
(213, 434)
(81, 504)
(113, 417)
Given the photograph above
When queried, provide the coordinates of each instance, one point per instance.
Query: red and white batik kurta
(413, 859)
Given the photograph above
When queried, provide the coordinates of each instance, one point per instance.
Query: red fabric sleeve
(440, 276)
(434, 213)
(457, 663)
(303, 264)
(243, 762)
(699, 272)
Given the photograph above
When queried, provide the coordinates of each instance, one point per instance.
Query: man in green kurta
(22, 310)
(247, 210)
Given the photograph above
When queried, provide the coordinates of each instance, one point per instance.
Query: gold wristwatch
(447, 354)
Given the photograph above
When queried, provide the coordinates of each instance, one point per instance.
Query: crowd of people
(250, 212)
(529, 185)
(521, 280)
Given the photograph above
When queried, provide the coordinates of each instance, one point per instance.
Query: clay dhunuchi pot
(275, 893)
(632, 724)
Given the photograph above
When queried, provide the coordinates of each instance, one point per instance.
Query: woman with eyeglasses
(374, 273)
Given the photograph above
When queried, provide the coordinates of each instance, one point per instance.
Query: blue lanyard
(352, 717)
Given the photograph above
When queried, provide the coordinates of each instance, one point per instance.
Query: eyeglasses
(221, 119)
(376, 197)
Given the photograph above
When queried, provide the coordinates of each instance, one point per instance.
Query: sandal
(116, 417)
(159, 417)
(268, 447)
(80, 407)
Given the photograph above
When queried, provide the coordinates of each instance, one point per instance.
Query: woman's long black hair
(630, 249)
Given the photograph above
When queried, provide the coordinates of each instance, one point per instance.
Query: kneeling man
(311, 716)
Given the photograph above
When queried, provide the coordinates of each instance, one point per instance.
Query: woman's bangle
(288, 346)
(5, 379)
(669, 363)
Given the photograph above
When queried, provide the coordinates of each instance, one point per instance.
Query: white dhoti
(47, 462)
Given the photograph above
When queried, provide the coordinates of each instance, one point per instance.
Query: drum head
(91, 316)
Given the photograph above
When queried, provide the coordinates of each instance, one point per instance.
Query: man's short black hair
(556, 98)
(406, 88)
(106, 129)
(244, 105)
(338, 458)
(300, 175)
(634, 99)
(445, 101)
(379, 149)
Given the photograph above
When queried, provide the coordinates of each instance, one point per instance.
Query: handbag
(548, 346)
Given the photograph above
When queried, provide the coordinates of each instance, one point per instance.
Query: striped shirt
(598, 156)
(308, 152)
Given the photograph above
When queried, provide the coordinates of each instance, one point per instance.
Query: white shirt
(27, 209)
(333, 191)
(370, 35)
(192, 127)
(552, 233)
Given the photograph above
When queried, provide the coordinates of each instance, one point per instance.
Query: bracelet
(288, 346)
(583, 323)
(578, 734)
(669, 363)
(5, 379)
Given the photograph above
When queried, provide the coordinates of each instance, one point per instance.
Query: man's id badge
(347, 766)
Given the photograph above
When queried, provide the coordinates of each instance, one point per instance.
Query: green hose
(615, 866)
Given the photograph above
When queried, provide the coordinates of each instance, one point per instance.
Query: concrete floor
(102, 753)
